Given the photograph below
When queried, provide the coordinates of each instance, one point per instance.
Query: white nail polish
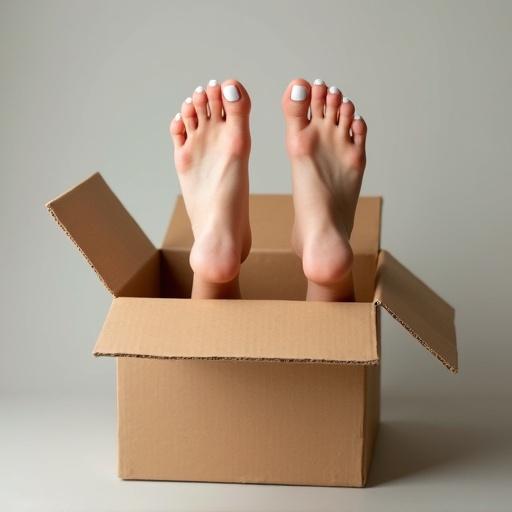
(333, 90)
(177, 117)
(230, 92)
(188, 101)
(212, 83)
(299, 93)
(345, 99)
(357, 117)
(199, 89)
(318, 81)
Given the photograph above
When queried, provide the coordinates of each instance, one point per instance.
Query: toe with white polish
(298, 93)
(318, 81)
(177, 117)
(345, 99)
(333, 90)
(212, 83)
(357, 117)
(199, 89)
(188, 100)
(230, 93)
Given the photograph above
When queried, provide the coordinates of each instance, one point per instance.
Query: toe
(200, 102)
(235, 101)
(178, 132)
(359, 130)
(188, 115)
(332, 104)
(214, 100)
(347, 110)
(318, 93)
(295, 103)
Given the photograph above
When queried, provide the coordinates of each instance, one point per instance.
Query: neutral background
(89, 86)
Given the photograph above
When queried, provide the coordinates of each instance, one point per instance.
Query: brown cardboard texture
(268, 389)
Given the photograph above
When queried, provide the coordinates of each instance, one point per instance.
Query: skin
(211, 152)
(327, 153)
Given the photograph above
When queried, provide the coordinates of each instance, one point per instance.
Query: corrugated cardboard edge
(96, 176)
(162, 329)
(68, 234)
(372, 362)
(401, 293)
(413, 333)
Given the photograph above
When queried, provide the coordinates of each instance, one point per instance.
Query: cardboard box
(268, 389)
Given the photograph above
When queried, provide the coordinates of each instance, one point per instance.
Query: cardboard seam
(414, 334)
(120, 422)
(381, 207)
(364, 430)
(372, 362)
(136, 274)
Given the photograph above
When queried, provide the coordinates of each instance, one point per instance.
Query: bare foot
(211, 151)
(327, 153)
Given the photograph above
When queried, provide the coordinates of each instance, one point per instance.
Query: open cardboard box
(268, 389)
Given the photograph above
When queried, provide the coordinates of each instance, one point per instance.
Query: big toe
(235, 101)
(295, 103)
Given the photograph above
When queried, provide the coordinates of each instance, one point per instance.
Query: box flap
(271, 225)
(104, 232)
(420, 310)
(266, 330)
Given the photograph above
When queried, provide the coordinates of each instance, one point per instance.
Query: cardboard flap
(104, 232)
(420, 310)
(263, 330)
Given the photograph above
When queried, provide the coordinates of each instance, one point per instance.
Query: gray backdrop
(89, 86)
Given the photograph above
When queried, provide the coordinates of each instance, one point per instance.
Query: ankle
(207, 290)
(339, 292)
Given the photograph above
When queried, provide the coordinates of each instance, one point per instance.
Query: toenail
(231, 93)
(333, 90)
(199, 89)
(357, 117)
(299, 93)
(188, 101)
(345, 99)
(177, 117)
(212, 83)
(318, 81)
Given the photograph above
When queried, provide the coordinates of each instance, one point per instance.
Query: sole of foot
(212, 142)
(325, 140)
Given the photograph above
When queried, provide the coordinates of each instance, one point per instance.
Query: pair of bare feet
(325, 140)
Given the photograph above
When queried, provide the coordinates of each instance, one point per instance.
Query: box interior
(272, 270)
